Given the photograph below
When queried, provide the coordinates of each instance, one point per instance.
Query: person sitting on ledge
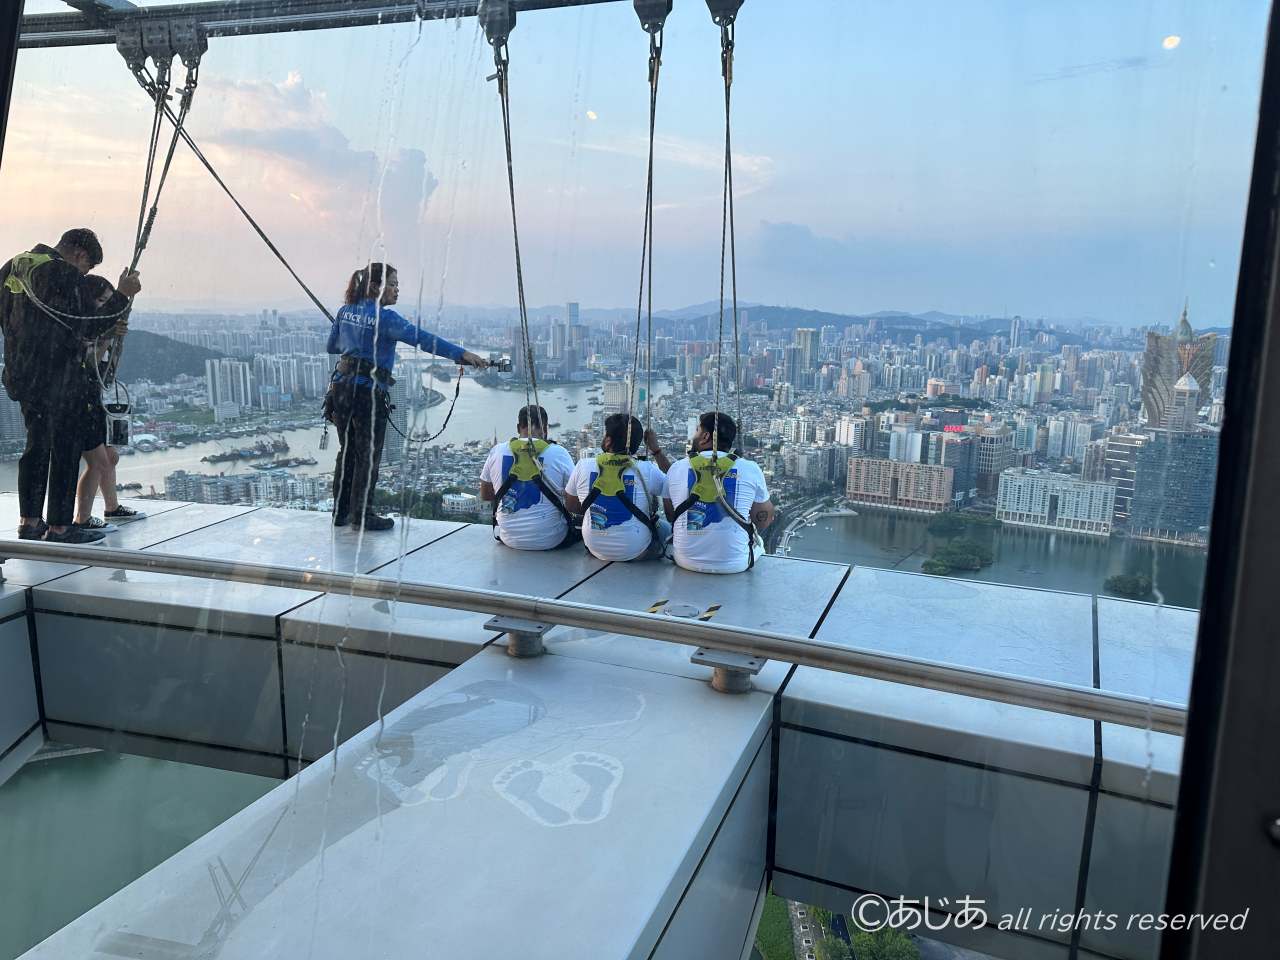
(619, 496)
(524, 478)
(716, 502)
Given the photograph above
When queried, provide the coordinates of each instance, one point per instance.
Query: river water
(481, 413)
(1029, 558)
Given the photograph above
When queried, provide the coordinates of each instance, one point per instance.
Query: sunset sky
(1064, 160)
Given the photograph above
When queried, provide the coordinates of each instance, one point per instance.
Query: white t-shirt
(705, 538)
(527, 520)
(609, 529)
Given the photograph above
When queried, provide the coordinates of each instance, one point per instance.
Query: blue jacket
(353, 336)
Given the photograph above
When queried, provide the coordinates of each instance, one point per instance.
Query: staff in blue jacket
(365, 336)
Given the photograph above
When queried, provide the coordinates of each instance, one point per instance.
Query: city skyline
(905, 168)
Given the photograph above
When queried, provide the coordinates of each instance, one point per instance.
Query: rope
(409, 438)
(162, 89)
(502, 64)
(726, 228)
(733, 244)
(646, 250)
(159, 88)
(199, 155)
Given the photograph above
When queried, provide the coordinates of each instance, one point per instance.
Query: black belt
(349, 366)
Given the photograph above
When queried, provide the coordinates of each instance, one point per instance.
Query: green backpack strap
(710, 474)
(20, 269)
(610, 467)
(526, 453)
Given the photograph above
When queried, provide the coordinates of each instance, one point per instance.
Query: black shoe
(98, 524)
(374, 522)
(340, 520)
(123, 514)
(75, 536)
(32, 531)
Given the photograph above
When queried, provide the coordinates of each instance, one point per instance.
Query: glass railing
(968, 633)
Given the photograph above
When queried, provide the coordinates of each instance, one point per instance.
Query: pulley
(157, 42)
(498, 18)
(189, 41)
(724, 12)
(653, 14)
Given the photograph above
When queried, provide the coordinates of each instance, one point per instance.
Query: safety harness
(527, 467)
(18, 283)
(609, 482)
(708, 488)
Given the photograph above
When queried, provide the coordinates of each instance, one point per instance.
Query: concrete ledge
(598, 790)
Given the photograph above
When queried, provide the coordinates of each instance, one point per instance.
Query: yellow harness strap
(20, 269)
(710, 476)
(609, 479)
(526, 453)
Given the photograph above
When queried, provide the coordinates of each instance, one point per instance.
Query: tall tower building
(1166, 360)
(1185, 409)
(806, 338)
(1015, 333)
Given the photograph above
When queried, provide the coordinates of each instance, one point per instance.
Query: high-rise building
(1120, 468)
(1057, 437)
(229, 381)
(960, 453)
(1173, 487)
(906, 444)
(1094, 462)
(1185, 409)
(1055, 501)
(995, 454)
(806, 338)
(792, 365)
(851, 431)
(918, 487)
(1015, 333)
(572, 314)
(405, 395)
(1045, 377)
(1166, 360)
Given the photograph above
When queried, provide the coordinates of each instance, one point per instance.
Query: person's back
(527, 519)
(610, 529)
(44, 313)
(706, 537)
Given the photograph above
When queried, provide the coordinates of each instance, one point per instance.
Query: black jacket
(43, 355)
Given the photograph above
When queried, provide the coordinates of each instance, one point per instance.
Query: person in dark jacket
(49, 312)
(365, 336)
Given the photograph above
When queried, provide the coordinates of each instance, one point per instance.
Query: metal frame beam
(10, 17)
(1226, 849)
(238, 18)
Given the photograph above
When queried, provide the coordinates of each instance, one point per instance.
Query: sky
(1084, 160)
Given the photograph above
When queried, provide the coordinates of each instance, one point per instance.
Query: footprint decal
(427, 755)
(577, 789)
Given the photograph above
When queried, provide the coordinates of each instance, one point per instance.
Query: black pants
(360, 415)
(51, 462)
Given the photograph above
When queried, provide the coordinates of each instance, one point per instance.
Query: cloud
(286, 128)
(326, 203)
(752, 173)
(1119, 276)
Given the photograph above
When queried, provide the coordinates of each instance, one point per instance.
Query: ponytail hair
(368, 282)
